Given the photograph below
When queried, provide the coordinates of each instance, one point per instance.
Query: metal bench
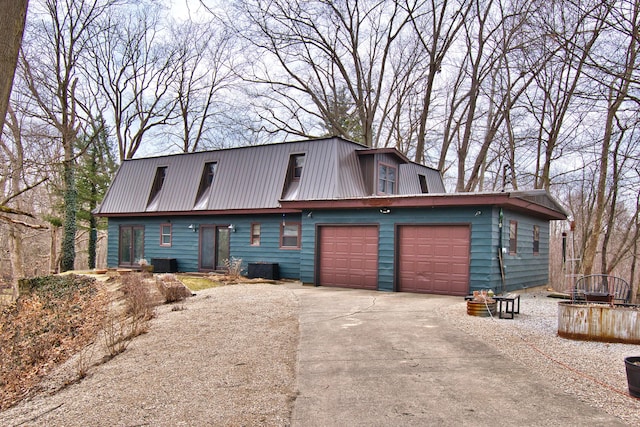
(511, 305)
(601, 288)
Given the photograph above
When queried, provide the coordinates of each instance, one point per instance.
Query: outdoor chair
(615, 289)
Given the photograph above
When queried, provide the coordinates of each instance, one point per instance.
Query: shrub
(172, 289)
(137, 296)
(234, 267)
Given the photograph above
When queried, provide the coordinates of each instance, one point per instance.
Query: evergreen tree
(95, 169)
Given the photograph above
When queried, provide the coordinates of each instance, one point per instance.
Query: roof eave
(504, 200)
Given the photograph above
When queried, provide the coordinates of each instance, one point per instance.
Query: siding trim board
(505, 200)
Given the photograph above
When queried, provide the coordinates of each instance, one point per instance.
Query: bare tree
(322, 49)
(436, 25)
(51, 68)
(133, 72)
(569, 33)
(623, 81)
(204, 74)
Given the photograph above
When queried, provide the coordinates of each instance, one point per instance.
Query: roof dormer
(156, 189)
(294, 174)
(206, 182)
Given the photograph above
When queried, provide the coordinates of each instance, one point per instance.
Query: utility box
(263, 270)
(164, 265)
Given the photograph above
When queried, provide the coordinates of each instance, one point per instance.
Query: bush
(172, 289)
(137, 296)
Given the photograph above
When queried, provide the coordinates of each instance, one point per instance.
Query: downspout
(500, 259)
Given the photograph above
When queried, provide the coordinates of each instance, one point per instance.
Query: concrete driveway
(387, 359)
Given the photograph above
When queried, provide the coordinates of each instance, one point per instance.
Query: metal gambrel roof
(253, 177)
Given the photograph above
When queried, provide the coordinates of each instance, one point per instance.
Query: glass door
(222, 246)
(131, 245)
(207, 248)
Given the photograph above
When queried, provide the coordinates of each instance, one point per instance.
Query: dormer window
(156, 189)
(296, 163)
(294, 173)
(386, 179)
(423, 184)
(206, 181)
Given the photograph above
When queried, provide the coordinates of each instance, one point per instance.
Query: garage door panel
(434, 259)
(348, 256)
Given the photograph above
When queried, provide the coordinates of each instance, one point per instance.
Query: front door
(222, 247)
(214, 247)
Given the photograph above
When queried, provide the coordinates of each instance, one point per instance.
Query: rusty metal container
(481, 308)
(599, 322)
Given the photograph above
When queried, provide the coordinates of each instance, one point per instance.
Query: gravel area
(592, 371)
(225, 357)
(228, 357)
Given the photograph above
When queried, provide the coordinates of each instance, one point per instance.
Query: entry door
(207, 248)
(214, 247)
(222, 246)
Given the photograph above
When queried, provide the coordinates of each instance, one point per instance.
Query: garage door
(348, 256)
(433, 259)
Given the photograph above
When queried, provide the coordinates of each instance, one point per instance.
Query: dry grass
(49, 323)
(57, 317)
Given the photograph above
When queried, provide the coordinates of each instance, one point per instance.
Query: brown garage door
(348, 256)
(433, 259)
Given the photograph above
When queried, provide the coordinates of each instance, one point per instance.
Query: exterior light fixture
(232, 228)
(385, 211)
(193, 227)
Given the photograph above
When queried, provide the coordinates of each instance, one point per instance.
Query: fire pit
(599, 322)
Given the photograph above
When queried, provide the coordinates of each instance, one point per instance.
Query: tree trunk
(13, 14)
(70, 201)
(16, 256)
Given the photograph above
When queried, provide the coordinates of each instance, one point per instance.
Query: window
(296, 163)
(206, 180)
(423, 184)
(131, 241)
(165, 234)
(290, 235)
(513, 237)
(255, 234)
(536, 239)
(386, 179)
(156, 189)
(294, 174)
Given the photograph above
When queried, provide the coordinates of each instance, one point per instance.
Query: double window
(165, 234)
(386, 179)
(255, 234)
(290, 235)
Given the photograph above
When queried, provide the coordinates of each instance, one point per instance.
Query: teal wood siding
(483, 266)
(524, 269)
(184, 245)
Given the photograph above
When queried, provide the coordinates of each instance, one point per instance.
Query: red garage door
(348, 256)
(433, 259)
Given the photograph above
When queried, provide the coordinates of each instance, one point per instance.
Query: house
(328, 212)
